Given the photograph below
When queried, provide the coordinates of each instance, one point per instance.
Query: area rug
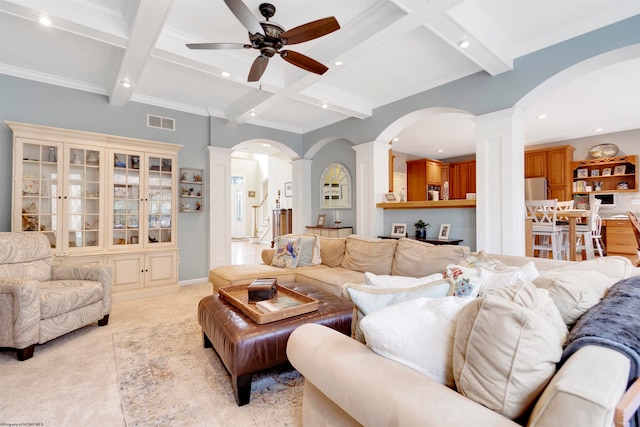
(166, 377)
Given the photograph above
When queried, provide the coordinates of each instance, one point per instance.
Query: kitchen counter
(438, 204)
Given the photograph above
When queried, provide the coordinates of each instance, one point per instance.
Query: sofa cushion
(419, 259)
(369, 298)
(243, 274)
(332, 250)
(374, 255)
(574, 292)
(388, 281)
(288, 253)
(328, 279)
(417, 333)
(267, 255)
(63, 296)
(616, 267)
(506, 347)
(309, 248)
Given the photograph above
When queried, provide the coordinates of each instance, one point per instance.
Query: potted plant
(421, 229)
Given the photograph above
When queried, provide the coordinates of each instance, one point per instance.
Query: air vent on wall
(161, 122)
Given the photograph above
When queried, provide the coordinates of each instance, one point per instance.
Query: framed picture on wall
(288, 189)
(398, 230)
(443, 234)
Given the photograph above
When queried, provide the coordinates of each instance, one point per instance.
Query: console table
(330, 231)
(432, 240)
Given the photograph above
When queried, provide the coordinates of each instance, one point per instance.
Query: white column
(220, 208)
(301, 178)
(372, 175)
(500, 182)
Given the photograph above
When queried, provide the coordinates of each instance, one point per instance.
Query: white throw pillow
(417, 333)
(499, 280)
(387, 281)
(574, 292)
(529, 270)
(369, 298)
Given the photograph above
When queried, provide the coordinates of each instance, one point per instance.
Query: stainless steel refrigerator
(535, 188)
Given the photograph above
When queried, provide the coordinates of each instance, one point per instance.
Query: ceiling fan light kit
(269, 38)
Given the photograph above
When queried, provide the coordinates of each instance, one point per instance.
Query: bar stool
(546, 233)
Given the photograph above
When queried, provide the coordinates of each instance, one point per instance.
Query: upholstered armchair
(40, 301)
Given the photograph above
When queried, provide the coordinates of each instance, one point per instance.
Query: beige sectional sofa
(347, 383)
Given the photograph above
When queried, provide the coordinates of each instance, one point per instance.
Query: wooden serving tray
(238, 296)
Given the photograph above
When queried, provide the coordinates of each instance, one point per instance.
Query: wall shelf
(605, 172)
(191, 190)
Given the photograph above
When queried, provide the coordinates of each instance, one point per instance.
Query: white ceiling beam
(148, 22)
(489, 48)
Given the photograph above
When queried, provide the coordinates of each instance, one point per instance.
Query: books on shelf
(276, 304)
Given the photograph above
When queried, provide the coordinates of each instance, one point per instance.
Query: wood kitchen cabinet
(554, 164)
(420, 174)
(462, 179)
(619, 237)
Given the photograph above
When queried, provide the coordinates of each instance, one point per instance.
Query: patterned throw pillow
(468, 280)
(288, 254)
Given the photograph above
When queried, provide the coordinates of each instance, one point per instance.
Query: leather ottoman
(246, 347)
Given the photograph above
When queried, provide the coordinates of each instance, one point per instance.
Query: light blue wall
(463, 222)
(32, 102)
(340, 151)
(37, 103)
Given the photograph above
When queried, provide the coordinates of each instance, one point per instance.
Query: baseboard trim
(193, 281)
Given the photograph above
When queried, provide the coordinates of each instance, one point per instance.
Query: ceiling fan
(269, 38)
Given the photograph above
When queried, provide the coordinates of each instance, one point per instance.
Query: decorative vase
(421, 233)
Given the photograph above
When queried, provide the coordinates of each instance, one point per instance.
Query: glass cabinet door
(127, 200)
(82, 197)
(160, 199)
(41, 190)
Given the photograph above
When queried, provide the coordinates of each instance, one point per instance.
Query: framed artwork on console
(443, 234)
(398, 230)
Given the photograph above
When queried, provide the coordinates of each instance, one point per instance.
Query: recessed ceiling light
(338, 63)
(125, 83)
(464, 44)
(225, 74)
(253, 113)
(440, 150)
(264, 144)
(396, 139)
(45, 20)
(598, 129)
(542, 116)
(325, 105)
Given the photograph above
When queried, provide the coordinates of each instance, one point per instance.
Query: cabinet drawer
(623, 223)
(619, 231)
(622, 244)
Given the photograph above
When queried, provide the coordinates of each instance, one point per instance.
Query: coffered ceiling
(390, 49)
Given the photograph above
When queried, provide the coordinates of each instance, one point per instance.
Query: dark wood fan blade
(244, 15)
(257, 68)
(218, 46)
(311, 30)
(303, 61)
